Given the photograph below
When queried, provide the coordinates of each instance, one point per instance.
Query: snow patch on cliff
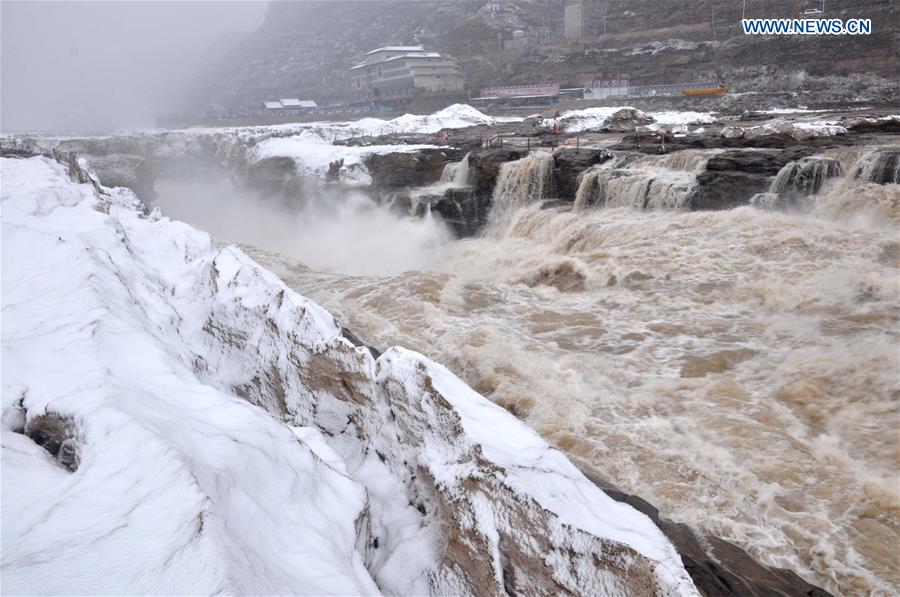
(313, 154)
(627, 117)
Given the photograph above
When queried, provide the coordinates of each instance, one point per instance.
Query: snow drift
(624, 118)
(221, 435)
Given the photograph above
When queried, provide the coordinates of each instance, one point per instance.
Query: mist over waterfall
(331, 230)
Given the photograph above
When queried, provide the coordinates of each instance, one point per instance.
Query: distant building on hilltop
(289, 106)
(585, 18)
(404, 71)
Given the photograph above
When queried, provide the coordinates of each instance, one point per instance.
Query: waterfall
(882, 167)
(862, 187)
(519, 183)
(805, 176)
(647, 188)
(456, 174)
(683, 161)
(648, 182)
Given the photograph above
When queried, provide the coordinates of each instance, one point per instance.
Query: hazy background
(73, 66)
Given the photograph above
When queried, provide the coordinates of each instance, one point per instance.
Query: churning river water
(738, 369)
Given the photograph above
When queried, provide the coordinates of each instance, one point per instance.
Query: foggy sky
(74, 66)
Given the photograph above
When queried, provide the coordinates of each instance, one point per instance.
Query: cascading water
(649, 182)
(882, 167)
(797, 182)
(850, 185)
(805, 176)
(456, 174)
(519, 183)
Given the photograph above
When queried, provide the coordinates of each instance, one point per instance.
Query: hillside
(304, 48)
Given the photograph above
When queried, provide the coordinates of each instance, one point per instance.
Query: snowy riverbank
(204, 429)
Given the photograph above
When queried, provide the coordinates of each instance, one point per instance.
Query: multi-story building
(585, 18)
(404, 71)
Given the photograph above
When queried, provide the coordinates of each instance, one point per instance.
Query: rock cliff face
(733, 177)
(305, 48)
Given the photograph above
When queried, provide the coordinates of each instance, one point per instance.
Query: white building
(402, 71)
(289, 106)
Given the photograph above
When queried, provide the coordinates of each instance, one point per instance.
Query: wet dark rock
(56, 434)
(400, 170)
(718, 567)
(726, 189)
(754, 162)
(714, 141)
(275, 175)
(569, 163)
(334, 170)
(18, 152)
(732, 178)
(354, 339)
(464, 210)
(638, 503)
(873, 125)
(485, 166)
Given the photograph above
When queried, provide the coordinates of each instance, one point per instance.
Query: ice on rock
(181, 488)
(230, 440)
(626, 118)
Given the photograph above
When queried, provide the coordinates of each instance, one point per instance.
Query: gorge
(712, 329)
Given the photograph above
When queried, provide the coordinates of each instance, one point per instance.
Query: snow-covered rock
(799, 131)
(129, 159)
(457, 116)
(313, 154)
(626, 118)
(617, 118)
(191, 425)
(679, 121)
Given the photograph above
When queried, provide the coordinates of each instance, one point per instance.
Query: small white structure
(289, 106)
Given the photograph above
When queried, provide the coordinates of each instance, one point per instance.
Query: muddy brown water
(738, 369)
